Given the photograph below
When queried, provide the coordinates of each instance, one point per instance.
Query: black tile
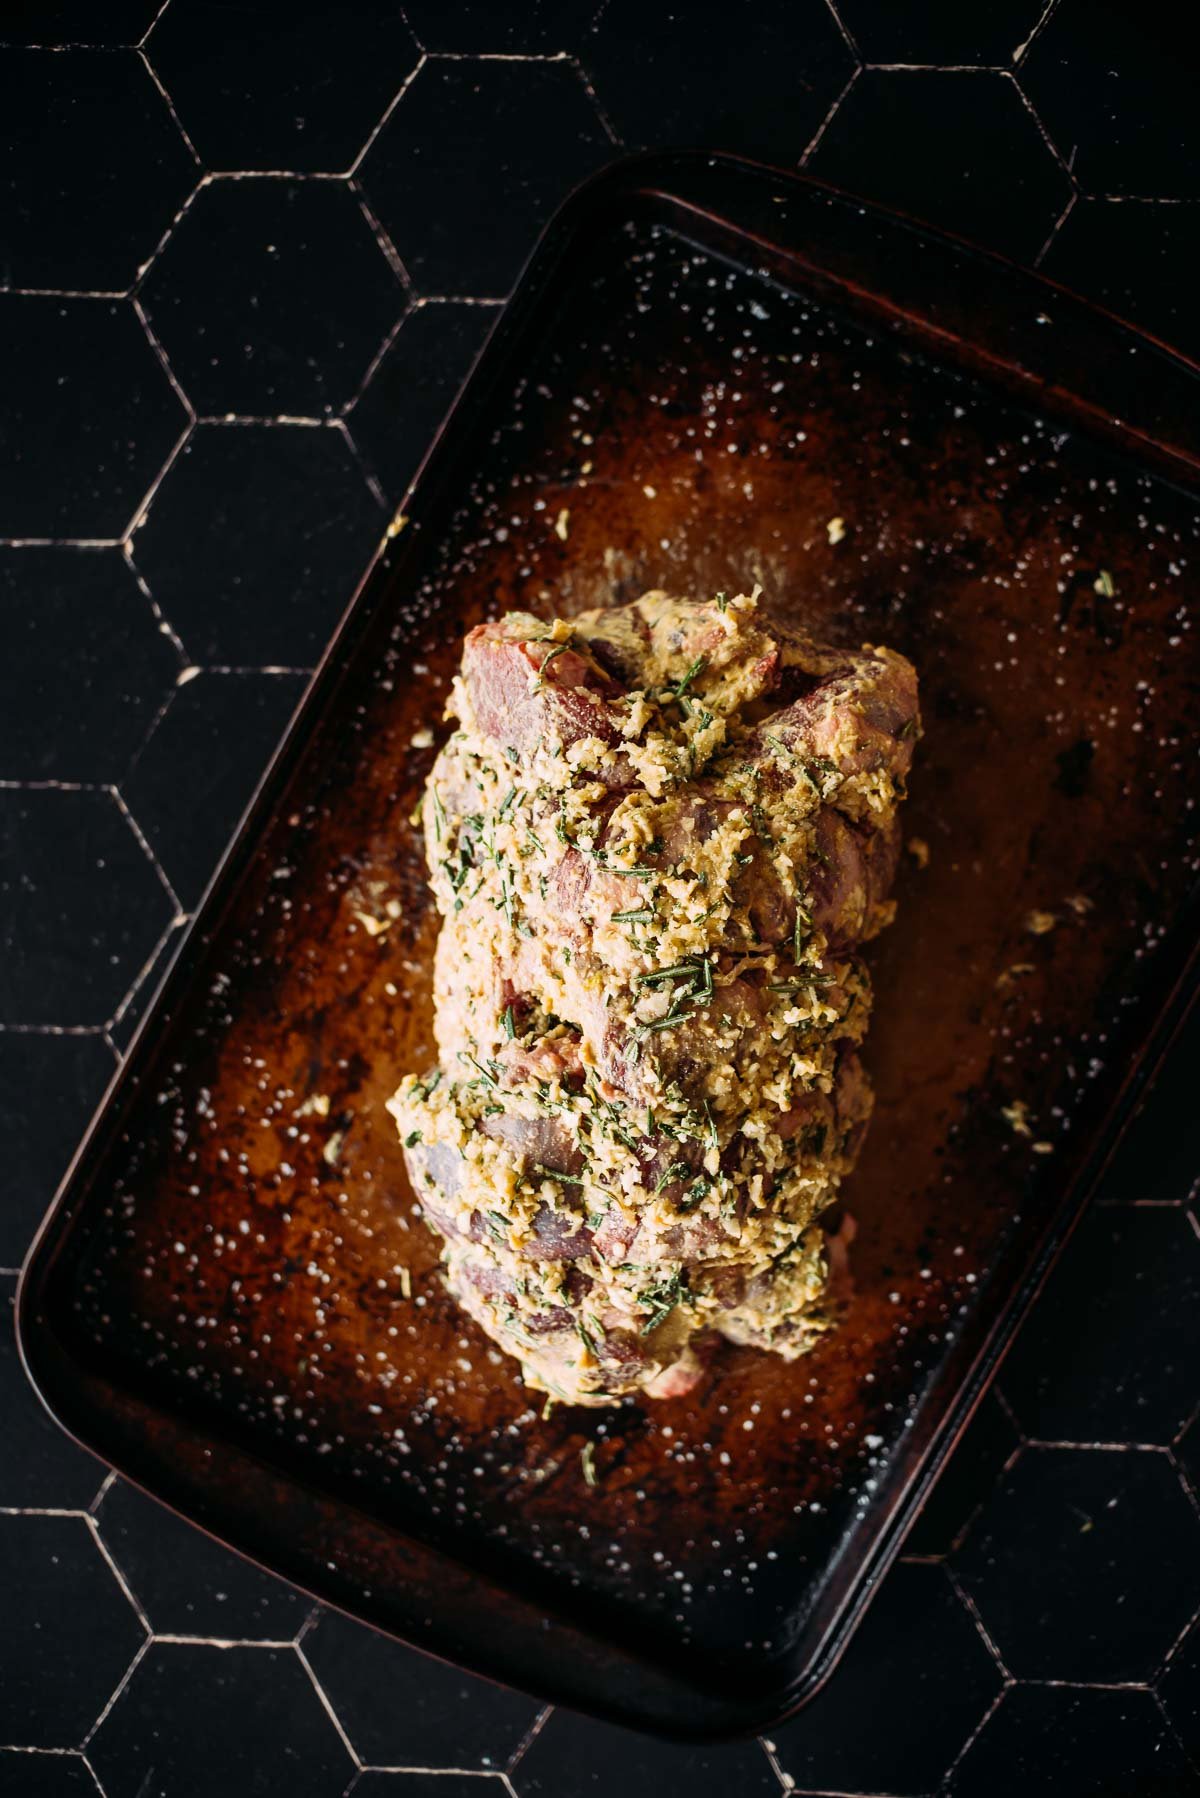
(940, 31)
(49, 1088)
(959, 150)
(399, 1708)
(1137, 259)
(197, 1721)
(532, 27)
(1120, 101)
(571, 1756)
(929, 1678)
(408, 395)
(45, 1775)
(472, 161)
(255, 542)
(1085, 1564)
(95, 168)
(81, 906)
(89, 416)
(69, 1631)
(1159, 1158)
(43, 1466)
(1111, 1350)
(272, 297)
(76, 21)
(1180, 1692)
(86, 664)
(187, 1584)
(1055, 1742)
(268, 86)
(965, 1482)
(211, 743)
(760, 83)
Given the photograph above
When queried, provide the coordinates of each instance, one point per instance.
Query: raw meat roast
(657, 840)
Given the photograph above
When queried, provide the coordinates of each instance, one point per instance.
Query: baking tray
(232, 1299)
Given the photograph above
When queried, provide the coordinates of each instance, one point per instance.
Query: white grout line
(261, 420)
(164, 623)
(173, 1639)
(492, 1775)
(144, 973)
(53, 786)
(1099, 1448)
(142, 510)
(1143, 199)
(498, 56)
(117, 1574)
(376, 491)
(87, 1763)
(170, 104)
(1055, 231)
(64, 293)
(154, 21)
(847, 34)
(529, 1738)
(180, 914)
(610, 130)
(381, 236)
(1174, 1648)
(166, 236)
(1164, 1713)
(106, 1486)
(988, 1714)
(823, 127)
(1064, 163)
(51, 1029)
(389, 339)
(936, 68)
(268, 668)
(90, 1736)
(972, 1610)
(458, 299)
(787, 1783)
(388, 110)
(408, 26)
(61, 542)
(318, 1688)
(1022, 50)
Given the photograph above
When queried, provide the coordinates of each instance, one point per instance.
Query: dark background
(245, 262)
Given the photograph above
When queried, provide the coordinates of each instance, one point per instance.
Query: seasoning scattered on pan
(657, 840)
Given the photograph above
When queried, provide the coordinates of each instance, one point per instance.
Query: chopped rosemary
(558, 649)
(697, 667)
(675, 1171)
(510, 1028)
(552, 1173)
(663, 1297)
(803, 926)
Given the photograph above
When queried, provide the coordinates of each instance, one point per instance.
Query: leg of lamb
(657, 839)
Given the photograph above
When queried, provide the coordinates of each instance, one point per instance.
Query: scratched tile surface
(246, 257)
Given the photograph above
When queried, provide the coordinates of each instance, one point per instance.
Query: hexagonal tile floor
(246, 257)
